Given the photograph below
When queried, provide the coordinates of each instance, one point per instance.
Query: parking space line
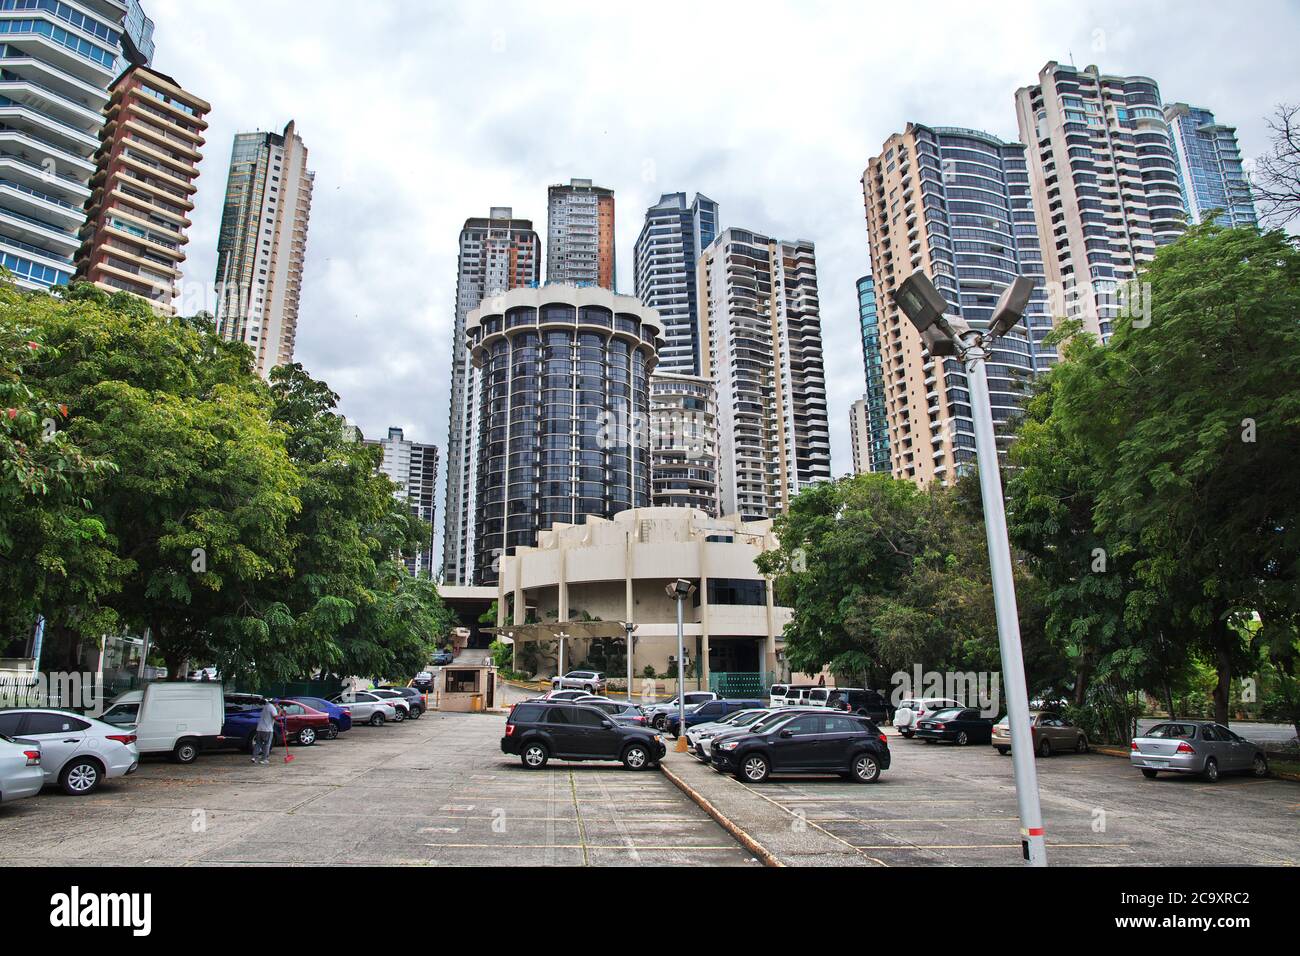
(828, 833)
(582, 827)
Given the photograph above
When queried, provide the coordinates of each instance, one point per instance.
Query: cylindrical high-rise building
(563, 415)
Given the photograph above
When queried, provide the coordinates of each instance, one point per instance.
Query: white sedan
(367, 708)
(699, 736)
(20, 769)
(78, 753)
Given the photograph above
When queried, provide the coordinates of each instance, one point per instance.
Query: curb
(1276, 774)
(766, 856)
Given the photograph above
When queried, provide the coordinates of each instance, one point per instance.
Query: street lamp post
(630, 628)
(921, 302)
(679, 591)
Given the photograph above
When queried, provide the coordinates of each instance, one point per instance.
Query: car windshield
(746, 717)
(947, 712)
(122, 714)
(768, 721)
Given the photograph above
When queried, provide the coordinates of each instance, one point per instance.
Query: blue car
(340, 717)
(707, 712)
(239, 727)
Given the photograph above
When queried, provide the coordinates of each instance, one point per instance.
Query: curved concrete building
(563, 411)
(616, 571)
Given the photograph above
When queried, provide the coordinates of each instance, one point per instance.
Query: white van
(180, 719)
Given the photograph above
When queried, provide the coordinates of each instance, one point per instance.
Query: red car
(302, 723)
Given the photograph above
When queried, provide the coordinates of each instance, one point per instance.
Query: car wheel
(80, 777)
(376, 719)
(307, 736)
(1148, 773)
(636, 757)
(1081, 747)
(415, 713)
(1211, 771)
(962, 739)
(865, 769)
(588, 688)
(1260, 767)
(187, 751)
(398, 717)
(534, 756)
(907, 733)
(1004, 750)
(333, 732)
(1044, 748)
(658, 722)
(754, 768)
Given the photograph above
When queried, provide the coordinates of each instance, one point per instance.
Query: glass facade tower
(1209, 167)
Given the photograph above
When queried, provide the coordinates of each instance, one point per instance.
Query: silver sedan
(1195, 746)
(78, 753)
(20, 769)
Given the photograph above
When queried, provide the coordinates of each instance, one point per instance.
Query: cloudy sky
(421, 113)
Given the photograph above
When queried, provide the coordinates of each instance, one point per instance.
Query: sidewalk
(767, 829)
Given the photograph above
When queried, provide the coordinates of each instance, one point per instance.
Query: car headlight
(729, 745)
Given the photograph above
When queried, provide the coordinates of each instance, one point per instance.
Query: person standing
(265, 735)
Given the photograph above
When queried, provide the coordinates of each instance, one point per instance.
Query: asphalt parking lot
(942, 805)
(437, 791)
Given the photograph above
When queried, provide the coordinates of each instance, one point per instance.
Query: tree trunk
(1082, 679)
(1223, 665)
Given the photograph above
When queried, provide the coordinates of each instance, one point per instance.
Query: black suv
(845, 744)
(538, 730)
(864, 703)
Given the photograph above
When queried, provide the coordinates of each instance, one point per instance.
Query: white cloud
(418, 115)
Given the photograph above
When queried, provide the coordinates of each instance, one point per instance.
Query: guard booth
(466, 688)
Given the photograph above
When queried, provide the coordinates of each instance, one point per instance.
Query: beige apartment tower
(263, 244)
(1105, 184)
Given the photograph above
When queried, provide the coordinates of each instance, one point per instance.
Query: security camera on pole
(921, 302)
(680, 591)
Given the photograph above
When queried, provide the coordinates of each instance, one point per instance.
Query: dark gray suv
(538, 730)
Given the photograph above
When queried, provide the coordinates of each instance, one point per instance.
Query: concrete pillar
(704, 609)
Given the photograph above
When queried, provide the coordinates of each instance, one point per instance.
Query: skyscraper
(761, 323)
(1105, 184)
(497, 254)
(875, 424)
(57, 61)
(580, 234)
(263, 244)
(860, 437)
(1209, 166)
(667, 251)
(955, 204)
(413, 467)
(564, 382)
(684, 442)
(148, 159)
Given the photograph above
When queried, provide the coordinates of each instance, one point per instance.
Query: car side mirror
(608, 724)
(787, 733)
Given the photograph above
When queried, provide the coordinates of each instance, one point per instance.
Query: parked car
(20, 769)
(593, 682)
(178, 719)
(1051, 734)
(805, 742)
(569, 695)
(367, 708)
(620, 710)
(958, 725)
(855, 700)
(698, 737)
(707, 712)
(303, 725)
(415, 702)
(657, 713)
(786, 695)
(536, 731)
(909, 711)
(78, 753)
(423, 681)
(443, 658)
(1195, 746)
(764, 723)
(340, 715)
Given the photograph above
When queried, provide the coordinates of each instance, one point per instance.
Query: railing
(741, 684)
